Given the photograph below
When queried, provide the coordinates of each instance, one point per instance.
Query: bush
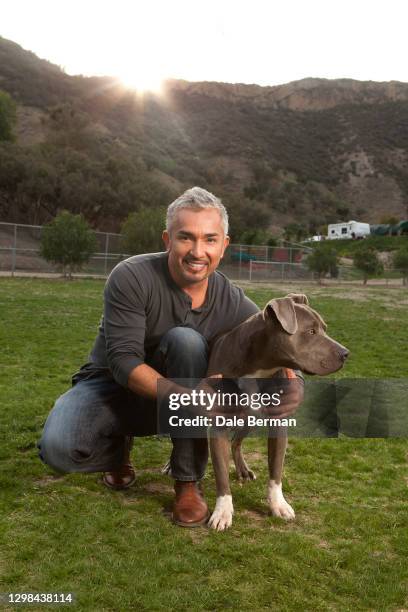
(366, 260)
(400, 262)
(257, 236)
(323, 261)
(142, 231)
(68, 242)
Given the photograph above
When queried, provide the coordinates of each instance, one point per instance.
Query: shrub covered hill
(313, 151)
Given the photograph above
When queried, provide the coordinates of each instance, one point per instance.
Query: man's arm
(143, 381)
(124, 322)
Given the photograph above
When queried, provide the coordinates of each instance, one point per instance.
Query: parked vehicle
(316, 238)
(350, 229)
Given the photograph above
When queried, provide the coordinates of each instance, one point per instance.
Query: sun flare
(142, 81)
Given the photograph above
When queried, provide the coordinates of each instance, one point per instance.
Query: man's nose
(197, 250)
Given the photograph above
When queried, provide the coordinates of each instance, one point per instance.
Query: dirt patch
(130, 501)
(158, 487)
(198, 534)
(323, 544)
(156, 470)
(254, 516)
(254, 455)
(46, 480)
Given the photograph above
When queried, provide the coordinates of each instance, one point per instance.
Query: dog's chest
(261, 373)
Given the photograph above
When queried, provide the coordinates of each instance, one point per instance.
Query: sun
(142, 80)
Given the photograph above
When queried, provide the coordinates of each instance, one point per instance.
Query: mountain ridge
(311, 151)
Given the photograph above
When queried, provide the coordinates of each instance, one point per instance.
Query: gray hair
(196, 198)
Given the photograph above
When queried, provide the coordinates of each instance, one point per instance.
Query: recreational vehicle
(349, 229)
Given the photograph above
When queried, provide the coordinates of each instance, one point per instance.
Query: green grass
(346, 550)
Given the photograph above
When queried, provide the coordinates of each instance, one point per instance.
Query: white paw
(277, 503)
(221, 518)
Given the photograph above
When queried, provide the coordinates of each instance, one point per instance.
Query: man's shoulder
(149, 259)
(235, 293)
(140, 264)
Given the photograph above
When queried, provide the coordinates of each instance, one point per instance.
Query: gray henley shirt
(142, 302)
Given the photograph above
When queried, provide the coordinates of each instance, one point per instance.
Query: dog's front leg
(221, 518)
(276, 457)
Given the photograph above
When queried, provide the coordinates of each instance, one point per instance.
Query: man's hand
(291, 394)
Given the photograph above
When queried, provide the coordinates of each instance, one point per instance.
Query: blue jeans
(90, 427)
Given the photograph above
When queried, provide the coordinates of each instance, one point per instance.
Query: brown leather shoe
(122, 478)
(190, 508)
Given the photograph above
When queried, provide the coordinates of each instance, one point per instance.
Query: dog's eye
(312, 331)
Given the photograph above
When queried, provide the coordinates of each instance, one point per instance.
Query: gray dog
(286, 334)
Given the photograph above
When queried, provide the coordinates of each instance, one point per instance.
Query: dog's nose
(344, 353)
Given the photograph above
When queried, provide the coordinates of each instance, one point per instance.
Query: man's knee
(54, 445)
(74, 437)
(185, 338)
(185, 351)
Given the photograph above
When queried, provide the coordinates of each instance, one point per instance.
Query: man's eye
(211, 240)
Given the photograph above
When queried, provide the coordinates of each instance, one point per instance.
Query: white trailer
(349, 229)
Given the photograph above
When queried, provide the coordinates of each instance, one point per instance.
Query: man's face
(196, 243)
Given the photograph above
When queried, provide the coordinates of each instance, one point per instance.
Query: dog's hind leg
(243, 470)
(276, 457)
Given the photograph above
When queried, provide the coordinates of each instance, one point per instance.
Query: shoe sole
(118, 487)
(196, 524)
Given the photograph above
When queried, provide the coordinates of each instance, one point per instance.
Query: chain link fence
(20, 253)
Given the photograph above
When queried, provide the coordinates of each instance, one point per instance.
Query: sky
(267, 42)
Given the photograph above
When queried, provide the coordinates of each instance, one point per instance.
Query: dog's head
(298, 333)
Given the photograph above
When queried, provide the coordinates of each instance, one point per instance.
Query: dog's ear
(282, 309)
(299, 298)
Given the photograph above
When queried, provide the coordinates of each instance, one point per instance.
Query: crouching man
(160, 312)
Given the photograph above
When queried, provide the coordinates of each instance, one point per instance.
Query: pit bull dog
(286, 334)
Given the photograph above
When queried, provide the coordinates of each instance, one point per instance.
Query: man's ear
(166, 239)
(226, 243)
(282, 309)
(298, 298)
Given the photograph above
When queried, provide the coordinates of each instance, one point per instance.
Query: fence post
(250, 270)
(13, 255)
(106, 253)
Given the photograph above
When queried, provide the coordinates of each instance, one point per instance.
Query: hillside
(313, 151)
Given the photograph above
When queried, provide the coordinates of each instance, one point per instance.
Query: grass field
(347, 549)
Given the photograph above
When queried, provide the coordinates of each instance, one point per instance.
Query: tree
(366, 260)
(295, 231)
(7, 116)
(257, 236)
(389, 220)
(400, 262)
(142, 231)
(323, 261)
(68, 242)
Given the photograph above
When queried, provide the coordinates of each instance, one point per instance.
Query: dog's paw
(244, 473)
(221, 518)
(277, 503)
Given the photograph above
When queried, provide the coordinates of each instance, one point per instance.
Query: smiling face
(196, 243)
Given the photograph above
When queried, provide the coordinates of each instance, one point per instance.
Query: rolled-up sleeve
(124, 323)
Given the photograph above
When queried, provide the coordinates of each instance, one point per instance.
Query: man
(160, 312)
